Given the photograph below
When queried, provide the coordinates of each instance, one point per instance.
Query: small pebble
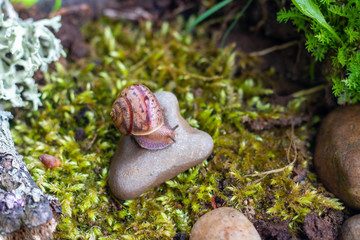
(351, 229)
(337, 154)
(224, 223)
(49, 161)
(134, 170)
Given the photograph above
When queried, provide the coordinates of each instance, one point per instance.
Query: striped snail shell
(137, 112)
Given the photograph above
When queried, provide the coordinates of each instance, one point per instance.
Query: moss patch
(219, 90)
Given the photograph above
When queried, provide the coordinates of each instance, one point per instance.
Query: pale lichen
(25, 47)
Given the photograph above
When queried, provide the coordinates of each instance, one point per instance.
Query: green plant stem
(237, 17)
(57, 5)
(205, 15)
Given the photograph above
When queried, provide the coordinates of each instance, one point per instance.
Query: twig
(287, 156)
(273, 49)
(92, 142)
(178, 10)
(192, 75)
(272, 171)
(308, 91)
(264, 17)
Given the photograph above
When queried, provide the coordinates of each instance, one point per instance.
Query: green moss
(218, 89)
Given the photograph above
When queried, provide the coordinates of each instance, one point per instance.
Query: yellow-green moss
(218, 91)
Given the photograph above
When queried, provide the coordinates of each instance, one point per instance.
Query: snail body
(137, 112)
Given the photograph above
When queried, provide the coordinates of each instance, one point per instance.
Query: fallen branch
(25, 211)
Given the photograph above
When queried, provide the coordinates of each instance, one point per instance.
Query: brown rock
(351, 228)
(224, 224)
(135, 170)
(337, 154)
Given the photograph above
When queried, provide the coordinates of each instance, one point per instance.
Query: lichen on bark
(22, 203)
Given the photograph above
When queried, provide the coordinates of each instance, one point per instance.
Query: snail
(137, 112)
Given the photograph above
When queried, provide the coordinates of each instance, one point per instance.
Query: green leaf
(205, 15)
(310, 9)
(75, 187)
(57, 5)
(237, 17)
(27, 3)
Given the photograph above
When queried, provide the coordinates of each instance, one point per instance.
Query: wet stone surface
(134, 170)
(337, 154)
(224, 224)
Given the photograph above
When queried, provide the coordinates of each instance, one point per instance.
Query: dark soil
(180, 236)
(72, 19)
(324, 227)
(266, 124)
(274, 231)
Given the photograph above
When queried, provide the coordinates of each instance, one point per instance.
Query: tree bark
(25, 211)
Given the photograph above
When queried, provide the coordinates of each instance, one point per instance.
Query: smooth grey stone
(134, 170)
(224, 223)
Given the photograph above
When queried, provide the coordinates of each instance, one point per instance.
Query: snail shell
(137, 112)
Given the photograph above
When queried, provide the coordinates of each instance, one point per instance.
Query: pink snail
(137, 112)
